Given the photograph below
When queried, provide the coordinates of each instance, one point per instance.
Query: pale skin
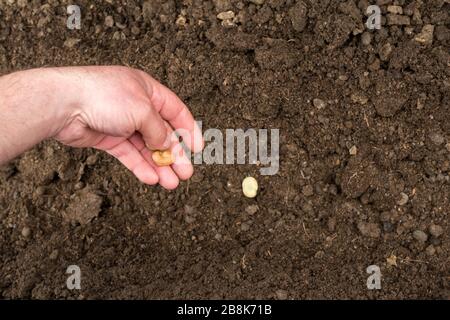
(122, 111)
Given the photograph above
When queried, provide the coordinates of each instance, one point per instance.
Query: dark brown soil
(320, 222)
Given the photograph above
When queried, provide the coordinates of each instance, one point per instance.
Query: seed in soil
(163, 158)
(250, 187)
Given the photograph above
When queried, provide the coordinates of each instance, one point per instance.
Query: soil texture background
(364, 119)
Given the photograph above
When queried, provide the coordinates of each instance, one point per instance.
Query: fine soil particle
(309, 68)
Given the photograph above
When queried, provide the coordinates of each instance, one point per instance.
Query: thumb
(152, 128)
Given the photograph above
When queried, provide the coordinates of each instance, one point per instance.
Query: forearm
(32, 108)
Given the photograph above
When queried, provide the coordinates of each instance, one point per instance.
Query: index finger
(174, 111)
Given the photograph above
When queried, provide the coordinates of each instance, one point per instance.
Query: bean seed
(163, 158)
(250, 187)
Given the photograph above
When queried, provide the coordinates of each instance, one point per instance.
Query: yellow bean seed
(250, 187)
(163, 158)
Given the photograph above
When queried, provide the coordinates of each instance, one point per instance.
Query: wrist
(57, 95)
(34, 105)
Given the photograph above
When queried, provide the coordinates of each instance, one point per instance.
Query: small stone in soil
(369, 229)
(92, 159)
(71, 42)
(299, 16)
(252, 209)
(430, 250)
(135, 30)
(79, 185)
(40, 191)
(227, 15)
(53, 255)
(319, 254)
(435, 241)
(442, 33)
(332, 189)
(420, 236)
(258, 2)
(245, 226)
(26, 232)
(281, 294)
(435, 230)
(152, 220)
(319, 103)
(426, 35)
(331, 224)
(392, 260)
(359, 98)
(395, 9)
(188, 209)
(437, 138)
(181, 21)
(366, 38)
(308, 191)
(188, 219)
(385, 52)
(403, 199)
(397, 19)
(109, 21)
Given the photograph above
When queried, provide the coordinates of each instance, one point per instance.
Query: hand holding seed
(127, 113)
(122, 111)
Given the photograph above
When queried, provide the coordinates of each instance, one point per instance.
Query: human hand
(121, 111)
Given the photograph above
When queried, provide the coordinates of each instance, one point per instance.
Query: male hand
(120, 110)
